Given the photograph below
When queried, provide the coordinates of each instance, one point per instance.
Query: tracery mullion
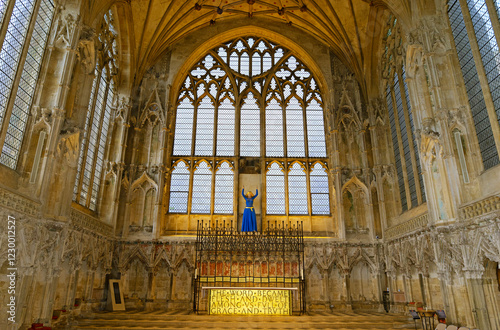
(85, 146)
(5, 19)
(97, 142)
(196, 104)
(308, 187)
(410, 138)
(304, 122)
(495, 23)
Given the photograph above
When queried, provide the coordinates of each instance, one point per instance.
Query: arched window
(320, 201)
(297, 189)
(480, 58)
(239, 93)
(179, 188)
(202, 188)
(223, 197)
(275, 189)
(407, 161)
(20, 61)
(92, 149)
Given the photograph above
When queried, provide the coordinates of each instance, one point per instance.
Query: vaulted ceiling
(351, 28)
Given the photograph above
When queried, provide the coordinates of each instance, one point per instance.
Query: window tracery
(236, 91)
(484, 62)
(406, 156)
(16, 96)
(92, 149)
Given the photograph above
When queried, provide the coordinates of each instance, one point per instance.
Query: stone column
(48, 295)
(475, 290)
(150, 295)
(346, 288)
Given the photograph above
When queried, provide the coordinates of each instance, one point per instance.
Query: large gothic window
(22, 49)
(479, 57)
(92, 149)
(406, 156)
(251, 98)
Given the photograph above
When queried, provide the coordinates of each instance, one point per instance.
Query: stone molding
(480, 208)
(415, 224)
(81, 220)
(19, 203)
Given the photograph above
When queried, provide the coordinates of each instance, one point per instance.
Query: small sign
(415, 315)
(441, 314)
(115, 296)
(250, 302)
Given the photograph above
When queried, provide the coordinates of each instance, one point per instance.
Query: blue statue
(249, 222)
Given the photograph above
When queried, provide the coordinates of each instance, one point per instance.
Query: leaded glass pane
(184, 128)
(315, 129)
(405, 141)
(395, 144)
(415, 146)
(274, 129)
(223, 196)
(250, 127)
(26, 88)
(488, 48)
(225, 128)
(275, 190)
(205, 128)
(9, 59)
(3, 9)
(179, 188)
(320, 198)
(482, 124)
(297, 190)
(295, 129)
(202, 189)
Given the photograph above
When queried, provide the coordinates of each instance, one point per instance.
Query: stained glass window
(250, 127)
(490, 58)
(320, 198)
(275, 189)
(205, 127)
(179, 188)
(10, 64)
(223, 196)
(239, 92)
(297, 190)
(202, 188)
(95, 135)
(225, 127)
(395, 144)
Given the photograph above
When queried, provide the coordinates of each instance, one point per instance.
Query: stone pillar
(150, 295)
(48, 295)
(88, 291)
(346, 288)
(475, 290)
(448, 299)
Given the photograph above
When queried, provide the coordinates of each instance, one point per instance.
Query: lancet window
(92, 149)
(479, 57)
(21, 54)
(251, 98)
(406, 156)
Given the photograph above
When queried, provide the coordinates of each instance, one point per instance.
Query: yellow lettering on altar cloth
(250, 302)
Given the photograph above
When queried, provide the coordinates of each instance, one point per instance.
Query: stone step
(183, 320)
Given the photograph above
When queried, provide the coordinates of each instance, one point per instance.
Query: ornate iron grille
(228, 258)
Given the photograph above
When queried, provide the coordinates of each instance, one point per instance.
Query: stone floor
(184, 320)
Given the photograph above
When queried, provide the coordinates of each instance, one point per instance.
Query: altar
(249, 273)
(249, 301)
